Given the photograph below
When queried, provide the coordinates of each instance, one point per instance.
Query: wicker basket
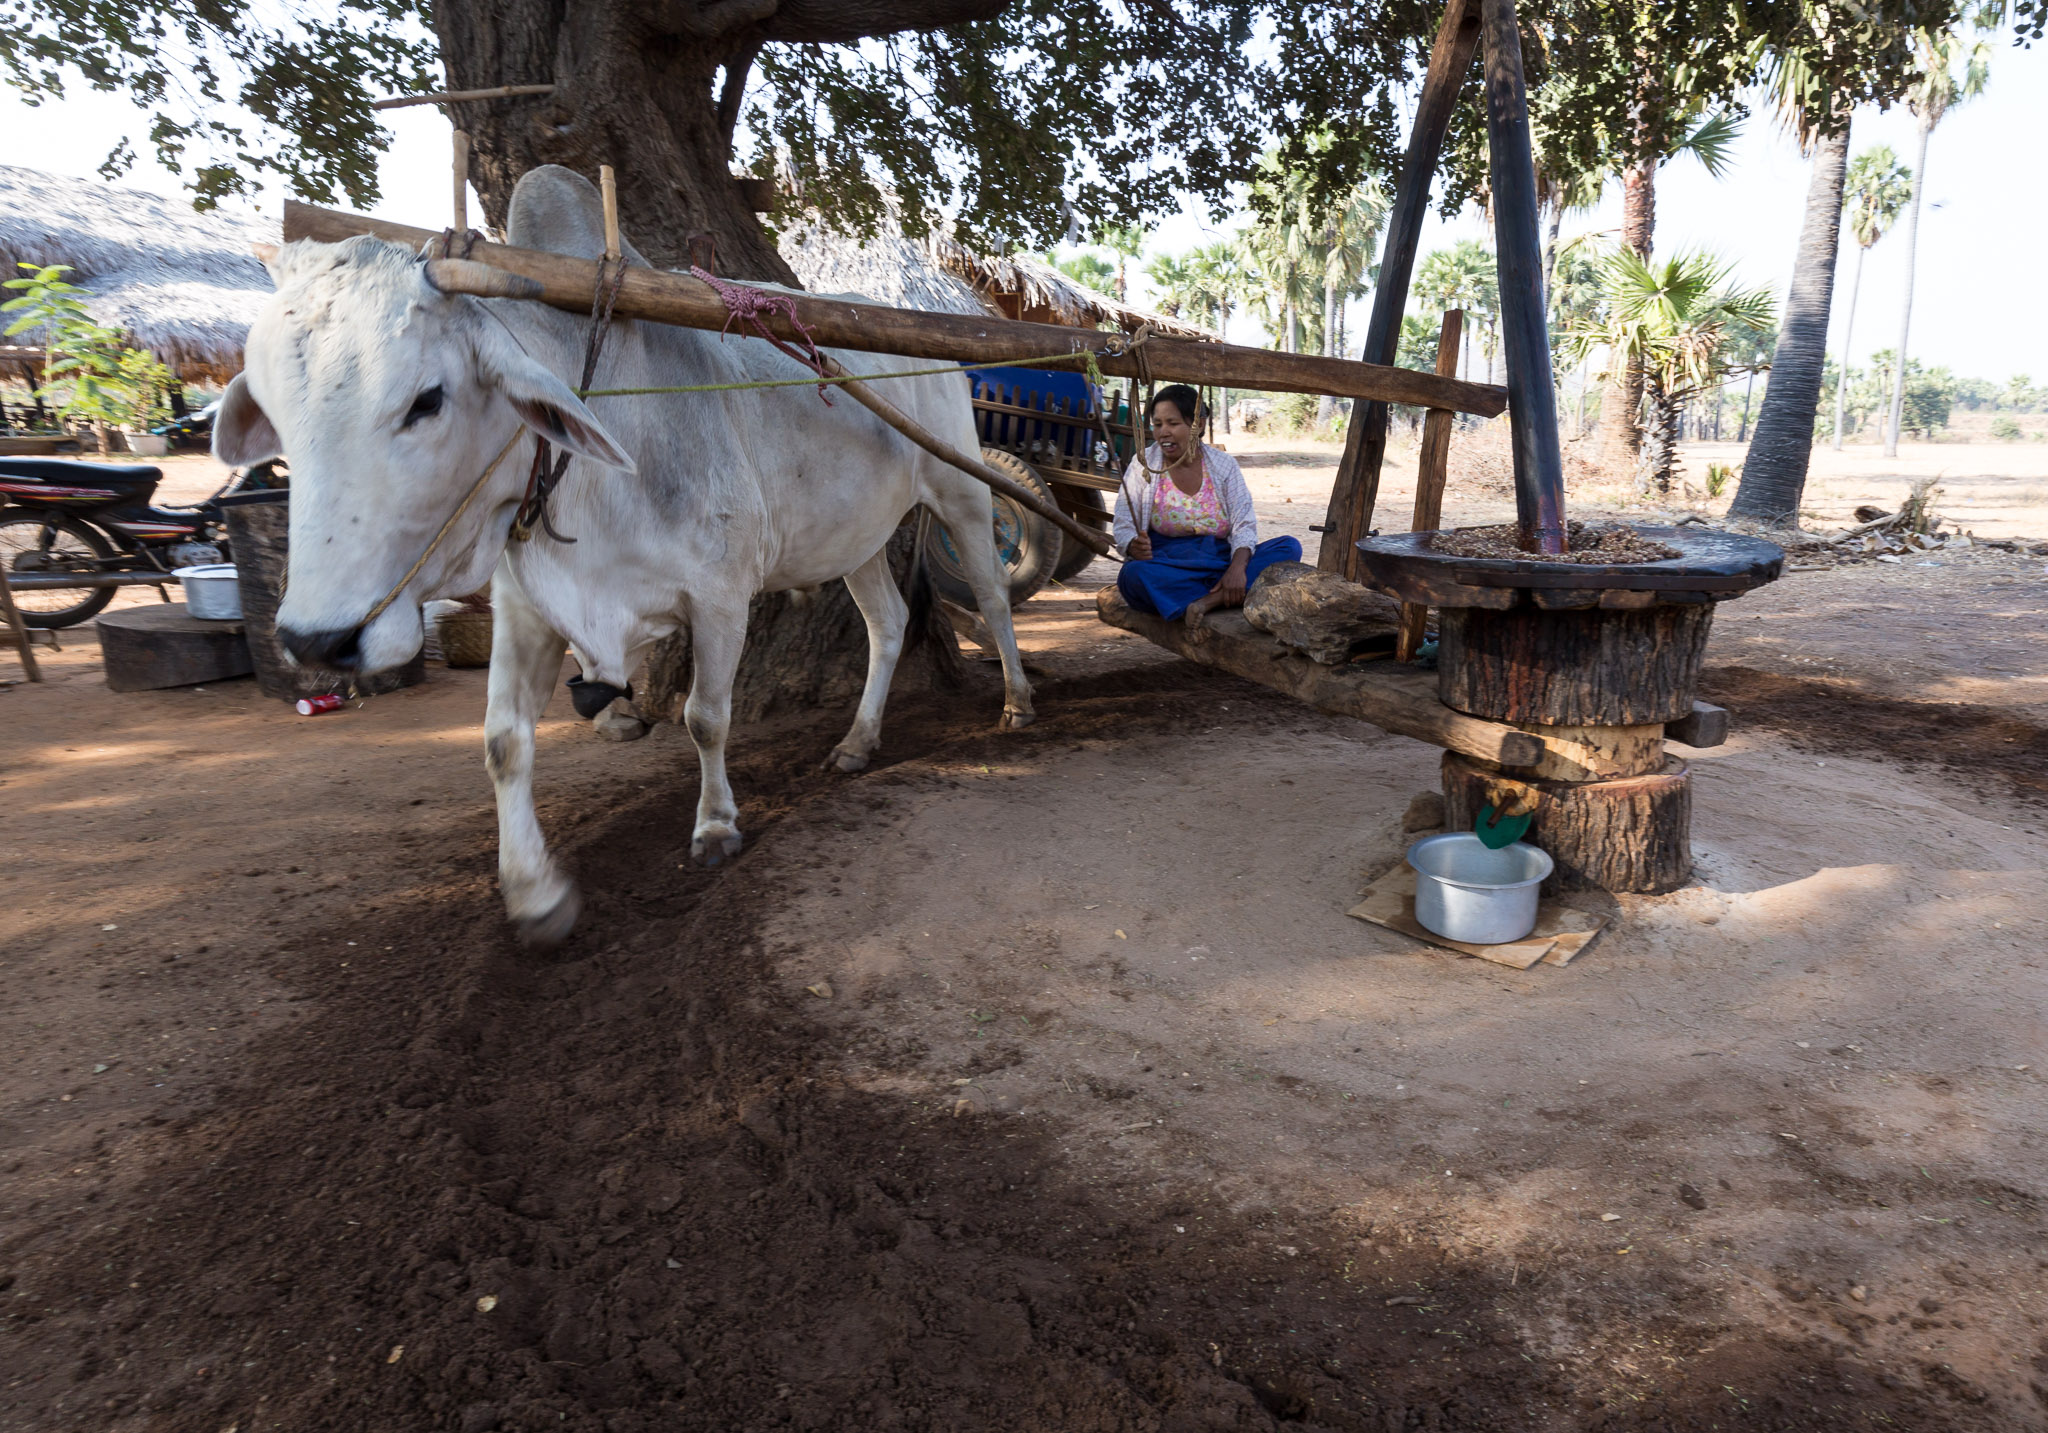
(465, 638)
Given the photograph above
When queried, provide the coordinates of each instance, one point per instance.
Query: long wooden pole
(1432, 470)
(456, 96)
(567, 283)
(1525, 329)
(1356, 491)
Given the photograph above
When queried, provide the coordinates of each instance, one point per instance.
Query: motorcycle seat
(72, 471)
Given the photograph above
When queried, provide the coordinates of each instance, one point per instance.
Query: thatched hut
(938, 275)
(184, 284)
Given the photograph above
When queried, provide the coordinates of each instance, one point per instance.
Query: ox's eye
(424, 406)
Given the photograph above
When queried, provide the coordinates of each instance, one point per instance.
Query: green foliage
(1294, 412)
(2006, 429)
(1875, 193)
(1089, 270)
(1011, 124)
(1928, 404)
(91, 373)
(1718, 477)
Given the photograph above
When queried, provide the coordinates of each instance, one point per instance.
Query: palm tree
(1126, 241)
(1936, 91)
(1219, 278)
(1175, 285)
(1347, 238)
(1673, 321)
(1710, 140)
(1087, 269)
(1874, 193)
(1463, 276)
(1774, 470)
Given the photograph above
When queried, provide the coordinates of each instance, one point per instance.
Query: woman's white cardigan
(1230, 487)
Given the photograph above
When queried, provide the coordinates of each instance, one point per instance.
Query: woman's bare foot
(1200, 607)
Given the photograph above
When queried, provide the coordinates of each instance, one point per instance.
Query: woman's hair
(1180, 396)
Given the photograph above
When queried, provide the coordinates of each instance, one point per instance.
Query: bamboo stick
(567, 283)
(608, 186)
(458, 96)
(19, 629)
(461, 182)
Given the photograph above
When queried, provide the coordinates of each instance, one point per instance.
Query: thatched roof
(940, 276)
(888, 268)
(1026, 287)
(184, 284)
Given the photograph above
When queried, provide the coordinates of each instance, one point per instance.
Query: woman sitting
(1192, 542)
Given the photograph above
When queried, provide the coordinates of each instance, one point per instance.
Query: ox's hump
(558, 211)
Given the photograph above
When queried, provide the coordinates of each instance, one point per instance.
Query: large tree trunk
(1774, 471)
(1891, 427)
(654, 91)
(1848, 329)
(1621, 437)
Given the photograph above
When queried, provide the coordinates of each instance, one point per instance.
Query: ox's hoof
(714, 845)
(1017, 721)
(846, 759)
(550, 927)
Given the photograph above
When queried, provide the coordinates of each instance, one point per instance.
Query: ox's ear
(242, 431)
(549, 406)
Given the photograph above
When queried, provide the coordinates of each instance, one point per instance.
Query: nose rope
(460, 508)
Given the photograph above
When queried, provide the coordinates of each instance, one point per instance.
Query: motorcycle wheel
(73, 547)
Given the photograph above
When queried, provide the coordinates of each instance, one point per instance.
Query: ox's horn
(467, 276)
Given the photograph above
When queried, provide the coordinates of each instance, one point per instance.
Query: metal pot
(1465, 891)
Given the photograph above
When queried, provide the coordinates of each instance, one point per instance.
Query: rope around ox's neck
(460, 508)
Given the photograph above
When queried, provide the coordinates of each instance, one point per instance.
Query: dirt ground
(1036, 1081)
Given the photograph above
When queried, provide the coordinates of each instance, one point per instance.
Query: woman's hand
(1140, 548)
(1231, 586)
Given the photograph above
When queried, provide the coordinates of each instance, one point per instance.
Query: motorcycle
(63, 518)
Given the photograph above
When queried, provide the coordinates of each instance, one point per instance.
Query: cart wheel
(1027, 546)
(1073, 556)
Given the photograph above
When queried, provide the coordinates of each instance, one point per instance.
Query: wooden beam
(1365, 443)
(1524, 325)
(567, 283)
(458, 96)
(1394, 698)
(1432, 470)
(1705, 725)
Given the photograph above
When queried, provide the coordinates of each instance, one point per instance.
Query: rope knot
(750, 307)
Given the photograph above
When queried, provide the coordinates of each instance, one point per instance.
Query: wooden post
(1432, 469)
(19, 629)
(1365, 443)
(461, 182)
(1525, 330)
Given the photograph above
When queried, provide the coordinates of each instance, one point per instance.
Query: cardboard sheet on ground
(1561, 931)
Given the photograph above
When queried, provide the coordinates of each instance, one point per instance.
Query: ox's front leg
(874, 591)
(717, 637)
(526, 657)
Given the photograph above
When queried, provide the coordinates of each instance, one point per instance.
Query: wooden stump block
(1628, 834)
(145, 648)
(1589, 668)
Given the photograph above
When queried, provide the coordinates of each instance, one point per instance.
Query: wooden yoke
(1365, 443)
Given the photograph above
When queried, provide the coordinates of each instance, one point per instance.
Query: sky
(1980, 304)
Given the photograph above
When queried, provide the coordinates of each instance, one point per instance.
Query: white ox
(389, 397)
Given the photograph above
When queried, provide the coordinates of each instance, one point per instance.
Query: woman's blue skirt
(1182, 569)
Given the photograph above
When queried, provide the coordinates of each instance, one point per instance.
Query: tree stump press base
(1594, 658)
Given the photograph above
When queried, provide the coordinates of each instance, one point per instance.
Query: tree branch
(733, 88)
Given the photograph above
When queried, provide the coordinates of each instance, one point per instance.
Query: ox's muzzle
(337, 651)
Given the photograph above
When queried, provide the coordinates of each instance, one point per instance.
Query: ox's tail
(918, 590)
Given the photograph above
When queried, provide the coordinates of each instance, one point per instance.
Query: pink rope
(748, 306)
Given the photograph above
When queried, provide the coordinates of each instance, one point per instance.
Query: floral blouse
(1179, 514)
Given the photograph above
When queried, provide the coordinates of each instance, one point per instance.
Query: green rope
(1036, 360)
